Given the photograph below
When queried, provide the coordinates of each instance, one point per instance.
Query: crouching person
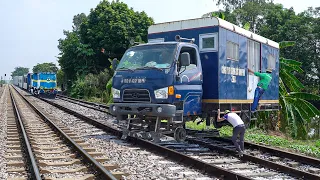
(238, 128)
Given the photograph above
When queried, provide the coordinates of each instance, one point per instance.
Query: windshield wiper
(123, 68)
(149, 67)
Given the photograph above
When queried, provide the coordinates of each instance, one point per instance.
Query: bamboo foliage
(296, 111)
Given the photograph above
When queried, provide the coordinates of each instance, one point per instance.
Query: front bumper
(167, 110)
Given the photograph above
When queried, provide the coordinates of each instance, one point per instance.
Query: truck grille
(136, 95)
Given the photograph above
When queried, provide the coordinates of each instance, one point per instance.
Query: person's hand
(218, 110)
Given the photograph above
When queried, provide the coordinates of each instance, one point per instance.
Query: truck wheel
(180, 134)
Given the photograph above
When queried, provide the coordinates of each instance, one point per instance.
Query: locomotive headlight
(115, 93)
(161, 93)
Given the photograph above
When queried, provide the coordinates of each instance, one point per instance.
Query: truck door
(189, 82)
(254, 60)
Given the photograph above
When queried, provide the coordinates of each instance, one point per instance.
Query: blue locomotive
(42, 84)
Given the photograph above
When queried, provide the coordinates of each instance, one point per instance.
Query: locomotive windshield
(148, 56)
(48, 77)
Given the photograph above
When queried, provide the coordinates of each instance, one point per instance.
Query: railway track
(291, 163)
(18, 153)
(220, 156)
(52, 150)
(91, 105)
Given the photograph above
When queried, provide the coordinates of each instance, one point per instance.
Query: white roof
(205, 22)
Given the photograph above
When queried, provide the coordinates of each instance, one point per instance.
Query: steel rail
(104, 172)
(85, 102)
(35, 170)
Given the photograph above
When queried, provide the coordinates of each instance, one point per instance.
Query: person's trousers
(257, 95)
(239, 130)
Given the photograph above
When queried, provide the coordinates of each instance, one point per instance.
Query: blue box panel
(227, 88)
(218, 84)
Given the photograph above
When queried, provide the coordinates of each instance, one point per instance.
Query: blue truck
(188, 70)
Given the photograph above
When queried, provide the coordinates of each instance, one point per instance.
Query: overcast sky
(30, 29)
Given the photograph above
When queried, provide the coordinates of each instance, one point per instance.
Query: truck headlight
(115, 93)
(161, 93)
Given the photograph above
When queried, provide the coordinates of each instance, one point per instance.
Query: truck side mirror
(114, 63)
(185, 59)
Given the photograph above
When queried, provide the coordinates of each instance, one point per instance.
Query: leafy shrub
(92, 87)
(226, 131)
(309, 150)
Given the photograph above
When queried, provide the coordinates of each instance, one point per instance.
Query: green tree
(77, 21)
(230, 5)
(20, 71)
(69, 61)
(45, 67)
(111, 26)
(246, 14)
(283, 24)
(60, 78)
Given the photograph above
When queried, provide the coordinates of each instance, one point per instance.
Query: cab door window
(193, 59)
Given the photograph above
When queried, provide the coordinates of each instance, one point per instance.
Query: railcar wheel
(180, 134)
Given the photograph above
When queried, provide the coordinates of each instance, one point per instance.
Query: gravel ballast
(3, 131)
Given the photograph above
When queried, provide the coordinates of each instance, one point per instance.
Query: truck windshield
(148, 56)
